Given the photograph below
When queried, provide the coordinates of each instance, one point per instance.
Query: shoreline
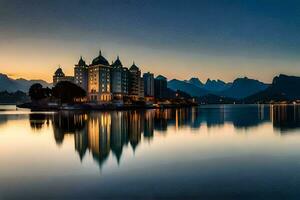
(104, 107)
(112, 107)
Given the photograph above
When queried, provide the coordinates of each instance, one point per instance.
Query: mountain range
(241, 90)
(12, 85)
(283, 88)
(238, 89)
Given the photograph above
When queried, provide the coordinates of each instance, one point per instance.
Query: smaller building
(119, 80)
(160, 87)
(148, 84)
(60, 76)
(81, 74)
(134, 82)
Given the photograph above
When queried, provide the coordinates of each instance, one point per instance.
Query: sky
(216, 39)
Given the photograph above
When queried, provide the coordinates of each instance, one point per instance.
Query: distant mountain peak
(195, 81)
(21, 84)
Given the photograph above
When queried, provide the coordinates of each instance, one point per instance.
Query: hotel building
(99, 89)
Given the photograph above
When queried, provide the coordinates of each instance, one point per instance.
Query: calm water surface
(209, 152)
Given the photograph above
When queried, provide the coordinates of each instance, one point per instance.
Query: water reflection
(102, 133)
(286, 118)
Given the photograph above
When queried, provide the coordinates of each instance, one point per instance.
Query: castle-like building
(106, 82)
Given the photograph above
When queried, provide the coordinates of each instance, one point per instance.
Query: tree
(37, 92)
(67, 91)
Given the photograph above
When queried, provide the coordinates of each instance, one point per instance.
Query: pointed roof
(81, 62)
(133, 67)
(100, 60)
(117, 63)
(59, 72)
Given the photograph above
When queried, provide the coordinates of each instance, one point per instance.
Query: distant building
(141, 88)
(160, 87)
(60, 76)
(119, 79)
(99, 80)
(134, 82)
(148, 84)
(81, 74)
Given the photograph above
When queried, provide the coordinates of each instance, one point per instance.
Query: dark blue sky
(218, 39)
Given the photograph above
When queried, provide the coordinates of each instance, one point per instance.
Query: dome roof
(59, 72)
(117, 63)
(81, 62)
(133, 67)
(100, 60)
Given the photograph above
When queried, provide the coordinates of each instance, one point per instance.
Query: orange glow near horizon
(43, 57)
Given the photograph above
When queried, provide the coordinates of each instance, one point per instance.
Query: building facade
(99, 84)
(119, 80)
(81, 74)
(60, 76)
(160, 87)
(148, 84)
(135, 82)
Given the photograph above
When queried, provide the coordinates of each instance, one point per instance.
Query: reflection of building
(99, 80)
(119, 79)
(81, 74)
(81, 143)
(99, 129)
(60, 76)
(103, 132)
(119, 133)
(135, 128)
(149, 124)
(160, 87)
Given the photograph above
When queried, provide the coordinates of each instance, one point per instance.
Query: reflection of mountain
(286, 117)
(102, 133)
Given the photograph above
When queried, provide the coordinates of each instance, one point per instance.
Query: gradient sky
(217, 39)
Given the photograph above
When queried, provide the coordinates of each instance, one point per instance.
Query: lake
(206, 152)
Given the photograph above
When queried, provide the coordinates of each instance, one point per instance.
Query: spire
(133, 63)
(118, 57)
(100, 53)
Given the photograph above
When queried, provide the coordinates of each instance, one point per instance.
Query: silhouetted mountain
(13, 85)
(216, 85)
(240, 88)
(283, 88)
(186, 87)
(243, 87)
(195, 81)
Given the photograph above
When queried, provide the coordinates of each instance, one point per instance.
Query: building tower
(119, 80)
(160, 87)
(58, 76)
(81, 74)
(99, 80)
(134, 82)
(148, 84)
